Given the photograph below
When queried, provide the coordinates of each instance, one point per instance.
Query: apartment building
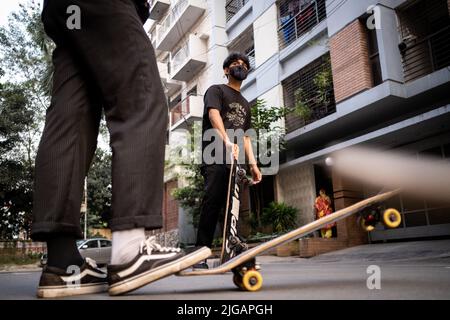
(364, 71)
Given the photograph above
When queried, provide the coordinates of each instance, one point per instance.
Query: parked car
(98, 249)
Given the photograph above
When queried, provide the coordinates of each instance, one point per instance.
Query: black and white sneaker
(86, 279)
(153, 262)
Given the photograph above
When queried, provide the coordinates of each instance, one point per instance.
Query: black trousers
(216, 188)
(109, 63)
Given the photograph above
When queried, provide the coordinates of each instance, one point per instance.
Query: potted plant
(282, 218)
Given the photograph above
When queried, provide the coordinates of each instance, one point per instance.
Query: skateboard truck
(247, 276)
(374, 214)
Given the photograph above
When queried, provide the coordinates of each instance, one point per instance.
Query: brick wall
(350, 61)
(22, 247)
(170, 207)
(346, 193)
(310, 247)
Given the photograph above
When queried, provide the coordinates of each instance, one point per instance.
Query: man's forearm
(217, 123)
(249, 151)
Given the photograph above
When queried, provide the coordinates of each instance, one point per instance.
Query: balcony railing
(180, 57)
(189, 60)
(422, 57)
(173, 16)
(183, 16)
(232, 7)
(251, 58)
(309, 94)
(317, 111)
(293, 25)
(191, 106)
(158, 8)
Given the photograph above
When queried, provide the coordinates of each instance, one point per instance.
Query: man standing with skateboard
(105, 62)
(225, 109)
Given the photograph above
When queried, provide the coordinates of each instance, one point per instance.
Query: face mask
(239, 73)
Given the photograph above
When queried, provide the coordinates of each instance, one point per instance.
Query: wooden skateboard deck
(242, 264)
(230, 232)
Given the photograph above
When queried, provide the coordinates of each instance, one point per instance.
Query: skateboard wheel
(241, 172)
(252, 281)
(392, 218)
(365, 225)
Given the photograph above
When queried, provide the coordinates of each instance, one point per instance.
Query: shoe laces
(150, 244)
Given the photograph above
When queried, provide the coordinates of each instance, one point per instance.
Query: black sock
(62, 252)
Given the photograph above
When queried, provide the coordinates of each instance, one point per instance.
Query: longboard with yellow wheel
(246, 274)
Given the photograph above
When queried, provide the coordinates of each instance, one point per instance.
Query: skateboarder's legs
(216, 188)
(114, 52)
(108, 63)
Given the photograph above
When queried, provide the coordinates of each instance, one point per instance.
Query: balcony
(185, 112)
(310, 93)
(424, 27)
(297, 20)
(251, 57)
(232, 7)
(183, 15)
(153, 36)
(169, 85)
(158, 8)
(189, 60)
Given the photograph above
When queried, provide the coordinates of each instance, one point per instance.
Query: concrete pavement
(408, 270)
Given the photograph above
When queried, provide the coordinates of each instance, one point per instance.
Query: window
(92, 244)
(245, 44)
(105, 243)
(424, 28)
(310, 92)
(232, 7)
(192, 92)
(297, 17)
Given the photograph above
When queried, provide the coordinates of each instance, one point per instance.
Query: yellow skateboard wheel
(392, 218)
(252, 281)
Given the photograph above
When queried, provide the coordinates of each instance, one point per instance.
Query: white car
(98, 249)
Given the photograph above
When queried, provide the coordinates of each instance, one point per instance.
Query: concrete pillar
(388, 40)
(266, 35)
(346, 193)
(217, 44)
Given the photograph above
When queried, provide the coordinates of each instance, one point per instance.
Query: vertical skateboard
(232, 244)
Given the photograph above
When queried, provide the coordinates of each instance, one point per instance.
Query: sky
(6, 7)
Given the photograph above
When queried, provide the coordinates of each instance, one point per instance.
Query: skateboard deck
(231, 242)
(243, 265)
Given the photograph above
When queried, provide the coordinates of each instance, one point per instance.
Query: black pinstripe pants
(108, 64)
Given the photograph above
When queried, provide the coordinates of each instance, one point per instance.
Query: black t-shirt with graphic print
(234, 110)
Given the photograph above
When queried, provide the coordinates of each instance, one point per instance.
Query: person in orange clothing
(323, 208)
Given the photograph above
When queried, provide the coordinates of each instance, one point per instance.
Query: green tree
(24, 70)
(99, 190)
(16, 166)
(190, 196)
